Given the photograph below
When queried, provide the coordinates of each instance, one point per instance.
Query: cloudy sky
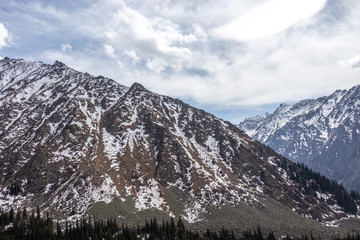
(233, 58)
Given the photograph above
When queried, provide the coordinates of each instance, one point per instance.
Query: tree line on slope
(313, 181)
(20, 225)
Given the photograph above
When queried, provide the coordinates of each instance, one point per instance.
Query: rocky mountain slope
(74, 143)
(323, 133)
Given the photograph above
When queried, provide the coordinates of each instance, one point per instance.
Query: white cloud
(156, 65)
(154, 37)
(132, 54)
(352, 62)
(280, 69)
(5, 36)
(268, 18)
(109, 50)
(66, 47)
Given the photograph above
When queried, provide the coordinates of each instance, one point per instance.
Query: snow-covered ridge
(312, 130)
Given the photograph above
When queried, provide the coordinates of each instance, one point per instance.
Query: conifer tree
(11, 215)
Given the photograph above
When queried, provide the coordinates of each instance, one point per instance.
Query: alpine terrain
(323, 133)
(78, 145)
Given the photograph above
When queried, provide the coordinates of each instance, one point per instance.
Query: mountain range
(78, 145)
(323, 133)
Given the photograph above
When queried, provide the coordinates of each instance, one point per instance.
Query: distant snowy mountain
(323, 133)
(71, 142)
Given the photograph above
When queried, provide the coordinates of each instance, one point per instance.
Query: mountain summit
(74, 143)
(323, 133)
